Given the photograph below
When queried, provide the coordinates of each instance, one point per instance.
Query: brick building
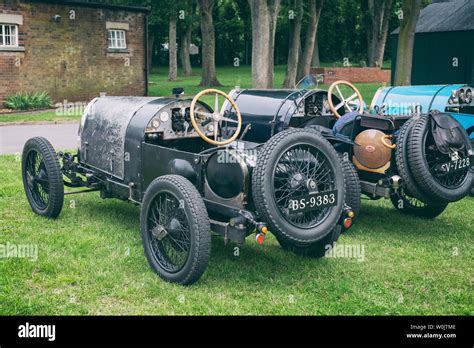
(74, 50)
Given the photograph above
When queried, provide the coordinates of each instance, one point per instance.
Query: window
(8, 35)
(117, 39)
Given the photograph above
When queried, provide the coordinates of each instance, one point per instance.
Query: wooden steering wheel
(216, 118)
(349, 102)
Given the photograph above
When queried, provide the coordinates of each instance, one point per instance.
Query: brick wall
(70, 59)
(366, 75)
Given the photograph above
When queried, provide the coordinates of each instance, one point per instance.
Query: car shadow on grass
(387, 219)
(255, 264)
(250, 262)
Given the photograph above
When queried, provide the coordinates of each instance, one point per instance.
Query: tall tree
(185, 38)
(406, 39)
(294, 44)
(209, 77)
(274, 9)
(264, 15)
(304, 66)
(379, 14)
(315, 61)
(173, 61)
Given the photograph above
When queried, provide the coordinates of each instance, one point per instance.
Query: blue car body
(405, 100)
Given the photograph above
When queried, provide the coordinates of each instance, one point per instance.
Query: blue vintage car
(406, 100)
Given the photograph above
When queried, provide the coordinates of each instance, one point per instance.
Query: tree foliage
(342, 30)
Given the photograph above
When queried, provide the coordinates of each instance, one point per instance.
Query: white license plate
(313, 201)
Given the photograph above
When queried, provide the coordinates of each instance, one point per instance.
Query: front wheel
(42, 177)
(175, 230)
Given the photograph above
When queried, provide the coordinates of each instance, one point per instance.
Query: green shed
(443, 51)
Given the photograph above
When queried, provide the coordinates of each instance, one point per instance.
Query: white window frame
(3, 35)
(116, 39)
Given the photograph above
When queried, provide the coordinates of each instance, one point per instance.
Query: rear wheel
(175, 230)
(298, 187)
(472, 171)
(401, 158)
(42, 177)
(409, 205)
(427, 164)
(353, 190)
(317, 249)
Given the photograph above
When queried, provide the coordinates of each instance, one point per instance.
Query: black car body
(147, 151)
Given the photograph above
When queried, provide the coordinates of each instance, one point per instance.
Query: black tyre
(409, 205)
(295, 165)
(353, 190)
(410, 186)
(42, 177)
(317, 249)
(175, 230)
(472, 171)
(424, 160)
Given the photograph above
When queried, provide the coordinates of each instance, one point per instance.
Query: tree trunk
(260, 43)
(274, 9)
(315, 62)
(406, 39)
(378, 28)
(304, 66)
(151, 43)
(184, 51)
(209, 77)
(173, 62)
(294, 46)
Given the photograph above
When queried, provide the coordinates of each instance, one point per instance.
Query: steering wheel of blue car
(223, 134)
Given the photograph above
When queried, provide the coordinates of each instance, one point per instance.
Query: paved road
(61, 135)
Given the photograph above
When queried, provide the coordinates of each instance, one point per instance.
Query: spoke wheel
(168, 232)
(410, 185)
(175, 230)
(407, 204)
(37, 178)
(425, 162)
(42, 177)
(434, 158)
(300, 170)
(297, 163)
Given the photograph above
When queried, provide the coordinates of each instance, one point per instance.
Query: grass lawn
(160, 86)
(90, 261)
(230, 77)
(35, 117)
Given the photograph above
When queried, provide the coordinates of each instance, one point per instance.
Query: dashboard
(316, 104)
(314, 109)
(174, 121)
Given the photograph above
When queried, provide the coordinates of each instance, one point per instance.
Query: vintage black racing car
(191, 170)
(421, 162)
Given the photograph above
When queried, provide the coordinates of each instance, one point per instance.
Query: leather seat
(345, 124)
